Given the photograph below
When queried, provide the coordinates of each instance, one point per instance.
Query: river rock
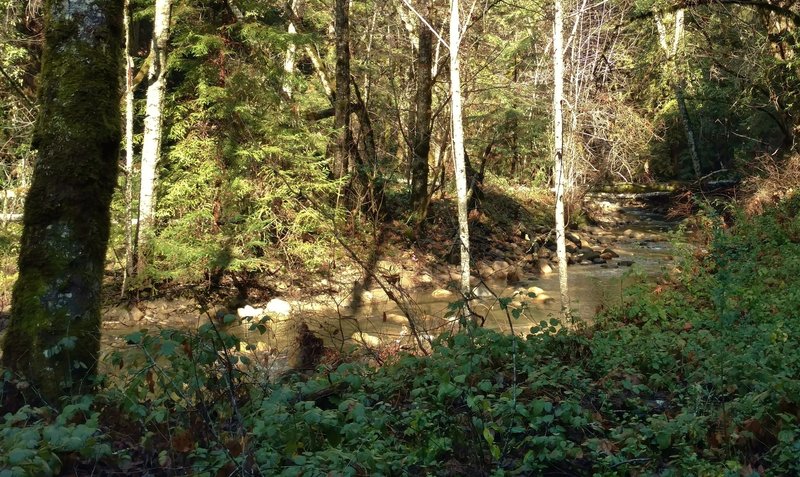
(543, 266)
(514, 275)
(625, 263)
(366, 339)
(249, 312)
(608, 254)
(535, 290)
(441, 293)
(574, 238)
(500, 270)
(543, 298)
(483, 269)
(278, 308)
(406, 280)
(598, 261)
(395, 319)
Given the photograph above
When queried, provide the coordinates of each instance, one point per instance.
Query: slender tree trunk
(291, 50)
(680, 98)
(341, 160)
(421, 134)
(458, 145)
(54, 335)
(671, 70)
(151, 143)
(559, 172)
(129, 87)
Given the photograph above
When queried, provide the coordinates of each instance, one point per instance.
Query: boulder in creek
(441, 293)
(598, 260)
(278, 309)
(587, 253)
(574, 238)
(608, 254)
(543, 266)
(535, 290)
(625, 263)
(395, 319)
(366, 339)
(249, 312)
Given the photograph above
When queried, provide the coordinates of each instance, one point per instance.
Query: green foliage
(694, 377)
(36, 440)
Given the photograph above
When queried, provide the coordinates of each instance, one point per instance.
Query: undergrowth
(699, 376)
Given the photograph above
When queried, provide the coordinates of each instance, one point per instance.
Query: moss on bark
(53, 338)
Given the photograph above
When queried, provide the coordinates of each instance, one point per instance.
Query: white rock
(249, 312)
(276, 306)
(441, 293)
(366, 339)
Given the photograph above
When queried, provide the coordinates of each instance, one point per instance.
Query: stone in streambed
(278, 308)
(441, 293)
(543, 266)
(608, 254)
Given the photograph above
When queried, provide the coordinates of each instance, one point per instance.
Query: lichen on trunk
(53, 337)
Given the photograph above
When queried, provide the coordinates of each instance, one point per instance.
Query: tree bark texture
(53, 337)
(458, 144)
(421, 135)
(559, 169)
(151, 142)
(341, 123)
(129, 88)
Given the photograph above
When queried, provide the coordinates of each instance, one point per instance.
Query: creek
(638, 235)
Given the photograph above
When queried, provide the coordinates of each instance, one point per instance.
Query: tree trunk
(129, 88)
(53, 337)
(687, 128)
(421, 135)
(341, 160)
(291, 50)
(458, 145)
(559, 169)
(672, 72)
(151, 143)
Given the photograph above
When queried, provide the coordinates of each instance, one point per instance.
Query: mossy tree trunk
(53, 338)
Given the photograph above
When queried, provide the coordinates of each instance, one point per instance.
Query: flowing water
(641, 238)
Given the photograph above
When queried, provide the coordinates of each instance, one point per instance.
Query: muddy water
(591, 287)
(641, 238)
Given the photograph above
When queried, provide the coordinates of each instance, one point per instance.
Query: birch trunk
(559, 169)
(458, 145)
(291, 50)
(676, 81)
(129, 87)
(54, 335)
(151, 143)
